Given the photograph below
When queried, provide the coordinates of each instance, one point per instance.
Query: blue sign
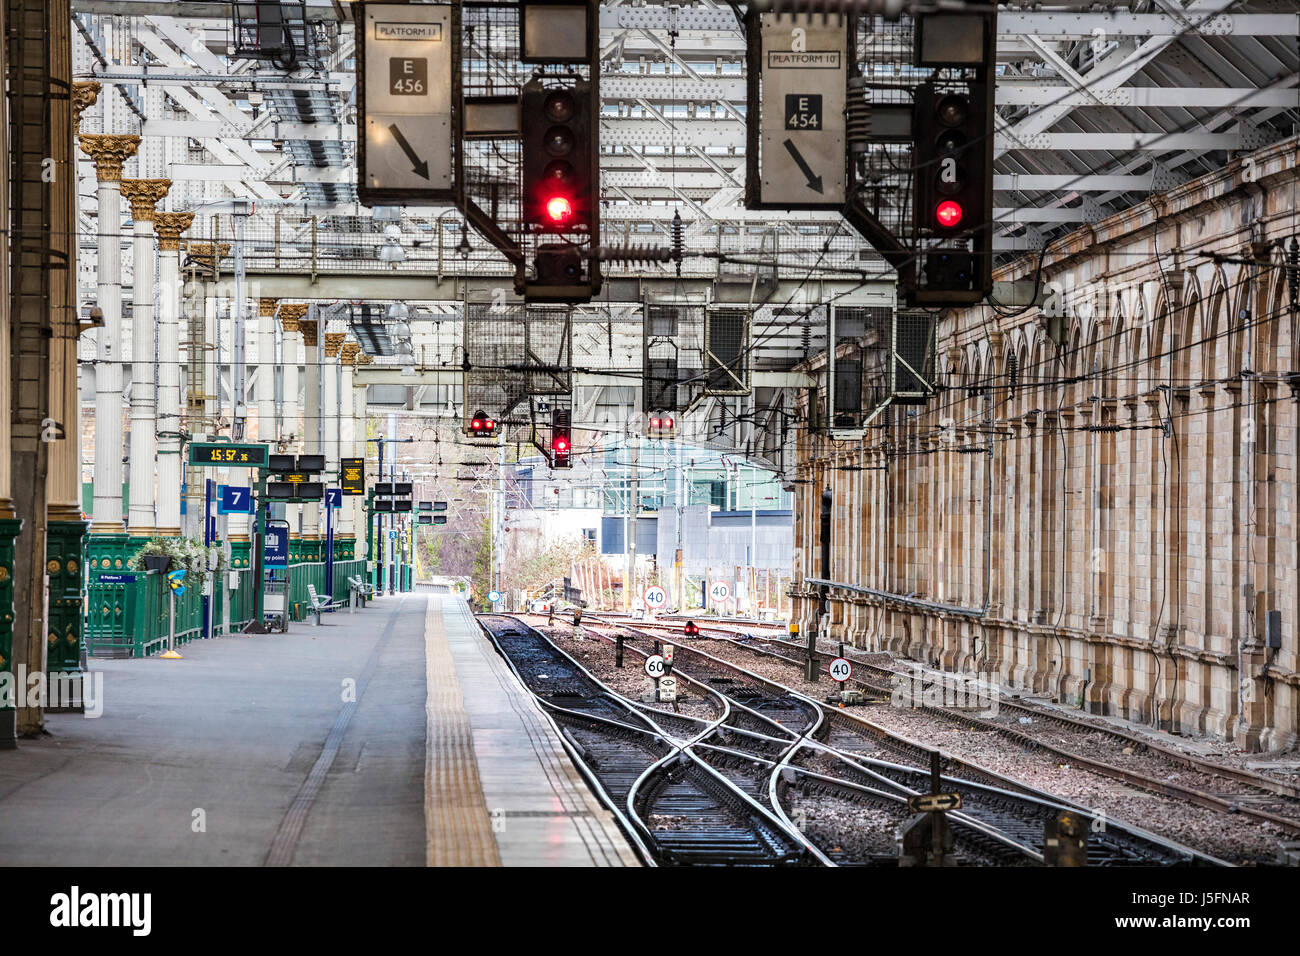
(275, 552)
(177, 581)
(392, 536)
(494, 596)
(333, 497)
(235, 500)
(117, 579)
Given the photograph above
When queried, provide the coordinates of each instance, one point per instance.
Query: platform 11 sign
(803, 71)
(405, 71)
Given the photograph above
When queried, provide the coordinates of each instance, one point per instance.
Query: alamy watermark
(954, 690)
(38, 689)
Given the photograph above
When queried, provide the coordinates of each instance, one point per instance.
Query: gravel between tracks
(629, 680)
(1232, 838)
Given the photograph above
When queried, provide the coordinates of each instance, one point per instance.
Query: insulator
(634, 253)
(679, 243)
(1013, 370)
(857, 116)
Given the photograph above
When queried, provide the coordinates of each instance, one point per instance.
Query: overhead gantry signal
(482, 425)
(561, 439)
(661, 425)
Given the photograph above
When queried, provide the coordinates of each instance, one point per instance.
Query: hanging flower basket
(157, 562)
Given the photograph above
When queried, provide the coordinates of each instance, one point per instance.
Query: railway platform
(388, 736)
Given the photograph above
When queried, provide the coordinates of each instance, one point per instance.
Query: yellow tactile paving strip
(456, 819)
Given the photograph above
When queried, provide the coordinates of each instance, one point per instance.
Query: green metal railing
(131, 619)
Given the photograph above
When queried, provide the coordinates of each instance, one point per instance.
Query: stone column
(10, 523)
(144, 196)
(348, 441)
(360, 448)
(264, 430)
(109, 153)
(331, 401)
(65, 523)
(169, 226)
(289, 431)
(311, 421)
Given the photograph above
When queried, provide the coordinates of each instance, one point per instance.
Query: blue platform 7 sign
(333, 497)
(235, 500)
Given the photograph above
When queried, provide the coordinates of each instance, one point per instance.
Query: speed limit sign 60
(655, 666)
(841, 669)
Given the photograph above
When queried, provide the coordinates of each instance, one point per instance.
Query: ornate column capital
(308, 328)
(334, 342)
(169, 226)
(349, 355)
(109, 153)
(291, 314)
(84, 95)
(207, 253)
(365, 359)
(144, 196)
(266, 308)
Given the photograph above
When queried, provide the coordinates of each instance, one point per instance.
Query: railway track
(1106, 751)
(677, 809)
(829, 749)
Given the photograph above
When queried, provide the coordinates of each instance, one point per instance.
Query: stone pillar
(289, 431)
(360, 448)
(144, 196)
(311, 421)
(109, 153)
(66, 525)
(169, 226)
(264, 429)
(348, 439)
(10, 524)
(330, 414)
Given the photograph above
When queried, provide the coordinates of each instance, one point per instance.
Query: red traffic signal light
(480, 426)
(661, 426)
(692, 629)
(948, 214)
(559, 210)
(560, 443)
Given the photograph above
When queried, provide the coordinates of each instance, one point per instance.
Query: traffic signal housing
(558, 157)
(953, 199)
(692, 629)
(561, 439)
(661, 425)
(482, 425)
(560, 188)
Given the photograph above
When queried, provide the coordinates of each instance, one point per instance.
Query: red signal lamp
(948, 213)
(692, 629)
(559, 209)
(476, 424)
(490, 425)
(560, 444)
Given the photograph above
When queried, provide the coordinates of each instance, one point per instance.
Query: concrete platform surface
(317, 747)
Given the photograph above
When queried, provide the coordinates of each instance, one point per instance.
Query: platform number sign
(406, 73)
(801, 65)
(655, 597)
(235, 500)
(840, 669)
(655, 666)
(719, 591)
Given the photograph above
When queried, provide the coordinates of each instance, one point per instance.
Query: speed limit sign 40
(655, 666)
(719, 590)
(655, 597)
(840, 669)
